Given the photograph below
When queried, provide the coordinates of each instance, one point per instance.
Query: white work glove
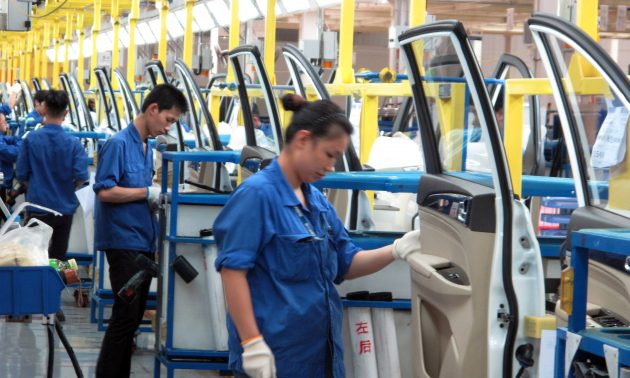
(15, 88)
(258, 361)
(409, 243)
(153, 197)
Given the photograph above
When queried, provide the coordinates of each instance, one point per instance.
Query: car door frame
(502, 183)
(105, 86)
(129, 100)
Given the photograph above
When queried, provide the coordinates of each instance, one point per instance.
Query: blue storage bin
(29, 290)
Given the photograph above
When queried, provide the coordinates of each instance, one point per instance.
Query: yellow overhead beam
(188, 33)
(417, 12)
(163, 43)
(235, 25)
(134, 15)
(81, 59)
(345, 73)
(96, 28)
(270, 41)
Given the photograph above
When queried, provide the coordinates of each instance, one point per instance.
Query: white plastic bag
(26, 246)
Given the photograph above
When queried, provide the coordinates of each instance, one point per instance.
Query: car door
(480, 270)
(533, 151)
(258, 147)
(72, 106)
(128, 98)
(592, 94)
(108, 100)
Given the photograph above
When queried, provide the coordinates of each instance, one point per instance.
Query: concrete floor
(24, 348)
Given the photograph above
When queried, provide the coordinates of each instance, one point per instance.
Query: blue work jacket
(9, 148)
(131, 225)
(32, 119)
(52, 161)
(293, 256)
(5, 109)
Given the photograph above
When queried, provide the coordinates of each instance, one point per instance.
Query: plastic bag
(26, 246)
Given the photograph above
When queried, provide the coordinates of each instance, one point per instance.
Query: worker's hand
(258, 361)
(409, 243)
(153, 197)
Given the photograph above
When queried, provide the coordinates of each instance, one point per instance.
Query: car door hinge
(503, 316)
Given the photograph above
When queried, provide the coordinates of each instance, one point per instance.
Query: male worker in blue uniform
(36, 116)
(9, 148)
(125, 224)
(53, 164)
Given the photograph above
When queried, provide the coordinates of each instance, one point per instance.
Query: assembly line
(258, 211)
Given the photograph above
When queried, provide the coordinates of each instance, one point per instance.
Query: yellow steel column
(67, 39)
(131, 50)
(22, 57)
(81, 58)
(44, 56)
(188, 33)
(163, 43)
(586, 17)
(513, 135)
(235, 25)
(96, 28)
(270, 41)
(3, 63)
(57, 42)
(369, 126)
(345, 73)
(417, 12)
(37, 65)
(13, 63)
(29, 57)
(116, 37)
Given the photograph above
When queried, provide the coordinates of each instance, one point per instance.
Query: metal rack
(613, 344)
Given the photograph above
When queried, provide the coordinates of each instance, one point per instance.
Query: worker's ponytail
(323, 118)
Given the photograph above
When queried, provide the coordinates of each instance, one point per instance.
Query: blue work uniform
(131, 225)
(52, 161)
(293, 255)
(32, 119)
(9, 149)
(5, 109)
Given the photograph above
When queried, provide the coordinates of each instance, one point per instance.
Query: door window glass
(455, 118)
(601, 117)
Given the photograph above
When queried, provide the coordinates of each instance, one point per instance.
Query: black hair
(40, 96)
(56, 102)
(323, 118)
(166, 97)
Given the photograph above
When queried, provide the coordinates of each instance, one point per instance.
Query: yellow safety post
(235, 25)
(57, 42)
(67, 40)
(44, 56)
(29, 56)
(36, 54)
(586, 19)
(417, 12)
(188, 33)
(115, 13)
(96, 28)
(13, 61)
(22, 58)
(134, 15)
(270, 41)
(215, 107)
(3, 63)
(513, 136)
(345, 73)
(163, 43)
(81, 38)
(369, 125)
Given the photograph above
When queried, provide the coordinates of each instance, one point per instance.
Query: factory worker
(36, 116)
(281, 250)
(9, 148)
(125, 224)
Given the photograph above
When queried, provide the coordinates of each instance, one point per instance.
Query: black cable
(520, 373)
(51, 350)
(66, 344)
(51, 12)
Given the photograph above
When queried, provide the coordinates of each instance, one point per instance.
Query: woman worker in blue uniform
(281, 249)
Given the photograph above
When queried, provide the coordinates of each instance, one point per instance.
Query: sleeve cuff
(105, 184)
(235, 260)
(343, 270)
